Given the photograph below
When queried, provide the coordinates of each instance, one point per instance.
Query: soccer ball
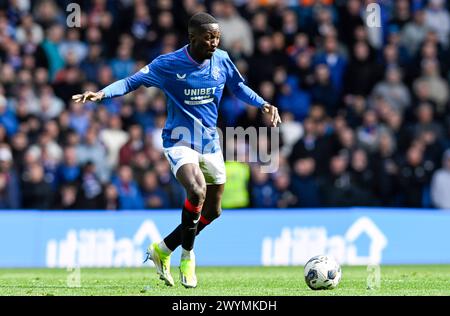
(322, 273)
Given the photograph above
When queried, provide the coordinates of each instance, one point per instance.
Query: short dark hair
(199, 19)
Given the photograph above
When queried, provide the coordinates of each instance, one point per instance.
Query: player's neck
(195, 55)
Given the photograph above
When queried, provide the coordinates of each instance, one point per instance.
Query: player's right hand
(88, 96)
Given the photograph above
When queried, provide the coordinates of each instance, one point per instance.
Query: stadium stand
(366, 110)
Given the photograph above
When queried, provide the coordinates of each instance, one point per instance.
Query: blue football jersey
(193, 93)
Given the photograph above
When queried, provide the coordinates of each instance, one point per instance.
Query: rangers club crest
(215, 73)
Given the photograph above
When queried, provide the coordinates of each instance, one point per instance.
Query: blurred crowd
(365, 106)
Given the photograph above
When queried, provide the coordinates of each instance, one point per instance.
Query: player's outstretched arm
(246, 94)
(238, 87)
(89, 96)
(271, 110)
(147, 76)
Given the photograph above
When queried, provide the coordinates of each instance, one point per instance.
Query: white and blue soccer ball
(322, 273)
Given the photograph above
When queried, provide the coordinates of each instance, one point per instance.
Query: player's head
(204, 34)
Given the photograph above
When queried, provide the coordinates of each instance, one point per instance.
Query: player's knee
(197, 193)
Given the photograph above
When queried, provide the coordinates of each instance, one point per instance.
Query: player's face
(206, 40)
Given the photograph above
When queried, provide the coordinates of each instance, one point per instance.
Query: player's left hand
(271, 110)
(88, 96)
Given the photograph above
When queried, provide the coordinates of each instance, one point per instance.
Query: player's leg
(184, 164)
(212, 207)
(210, 211)
(213, 168)
(191, 178)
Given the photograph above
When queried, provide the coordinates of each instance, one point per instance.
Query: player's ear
(191, 35)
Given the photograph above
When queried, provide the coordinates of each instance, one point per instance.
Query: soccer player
(193, 79)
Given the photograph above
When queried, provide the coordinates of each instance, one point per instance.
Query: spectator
(130, 197)
(401, 14)
(393, 90)
(290, 24)
(394, 39)
(291, 132)
(350, 19)
(293, 100)
(67, 81)
(66, 197)
(153, 195)
(68, 171)
(362, 72)
(142, 114)
(47, 148)
(313, 144)
(430, 49)
(303, 69)
(335, 61)
(140, 164)
(10, 195)
(438, 87)
(324, 24)
(425, 122)
(262, 64)
(262, 189)
(378, 134)
(72, 44)
(50, 45)
(7, 119)
(368, 134)
(304, 184)
(386, 171)
(92, 63)
(323, 91)
(51, 105)
(48, 14)
(437, 18)
(113, 138)
(336, 189)
(347, 142)
(92, 150)
(355, 106)
(413, 33)
(362, 177)
(236, 193)
(413, 177)
(19, 145)
(37, 194)
(230, 109)
(169, 183)
(306, 145)
(111, 198)
(123, 65)
(234, 29)
(260, 24)
(440, 183)
(153, 136)
(90, 192)
(134, 144)
(29, 30)
(285, 198)
(79, 118)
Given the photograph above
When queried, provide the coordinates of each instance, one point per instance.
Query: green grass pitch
(224, 281)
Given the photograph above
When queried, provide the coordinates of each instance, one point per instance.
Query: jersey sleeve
(236, 83)
(149, 76)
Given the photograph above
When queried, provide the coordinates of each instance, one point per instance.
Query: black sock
(189, 221)
(173, 240)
